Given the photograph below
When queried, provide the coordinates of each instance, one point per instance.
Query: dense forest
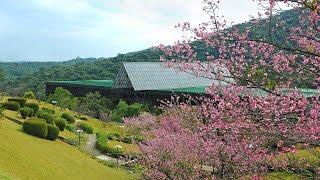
(23, 76)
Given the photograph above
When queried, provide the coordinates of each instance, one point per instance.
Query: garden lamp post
(53, 102)
(79, 131)
(118, 147)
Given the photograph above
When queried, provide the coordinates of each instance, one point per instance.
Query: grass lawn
(96, 124)
(307, 154)
(28, 157)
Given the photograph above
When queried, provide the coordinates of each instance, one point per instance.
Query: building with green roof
(150, 82)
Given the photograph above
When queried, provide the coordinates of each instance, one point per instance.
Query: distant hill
(32, 75)
(18, 69)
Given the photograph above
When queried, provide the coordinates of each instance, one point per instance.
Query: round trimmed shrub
(68, 117)
(31, 112)
(46, 116)
(11, 105)
(35, 127)
(61, 123)
(53, 132)
(24, 112)
(21, 101)
(33, 106)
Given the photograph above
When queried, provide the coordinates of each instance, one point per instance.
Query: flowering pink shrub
(233, 132)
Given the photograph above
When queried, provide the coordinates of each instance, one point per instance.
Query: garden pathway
(92, 150)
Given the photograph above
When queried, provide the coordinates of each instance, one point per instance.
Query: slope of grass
(96, 124)
(28, 157)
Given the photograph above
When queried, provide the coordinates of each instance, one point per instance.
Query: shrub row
(39, 128)
(61, 123)
(36, 127)
(21, 101)
(11, 105)
(33, 106)
(15, 104)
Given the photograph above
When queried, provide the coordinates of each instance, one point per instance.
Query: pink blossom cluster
(232, 132)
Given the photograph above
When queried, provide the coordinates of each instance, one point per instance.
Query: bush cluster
(29, 95)
(86, 127)
(68, 117)
(102, 145)
(53, 132)
(125, 110)
(46, 116)
(33, 106)
(24, 112)
(11, 105)
(61, 123)
(21, 101)
(30, 111)
(71, 127)
(36, 127)
(49, 111)
(39, 127)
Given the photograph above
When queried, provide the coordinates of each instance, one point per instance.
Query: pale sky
(64, 29)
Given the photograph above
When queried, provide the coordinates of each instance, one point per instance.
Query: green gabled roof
(96, 83)
(144, 76)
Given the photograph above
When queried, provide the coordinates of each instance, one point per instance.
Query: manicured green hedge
(11, 105)
(24, 112)
(46, 116)
(36, 127)
(53, 132)
(33, 106)
(68, 117)
(86, 127)
(30, 110)
(21, 101)
(61, 123)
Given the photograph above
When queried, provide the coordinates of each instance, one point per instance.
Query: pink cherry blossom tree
(239, 129)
